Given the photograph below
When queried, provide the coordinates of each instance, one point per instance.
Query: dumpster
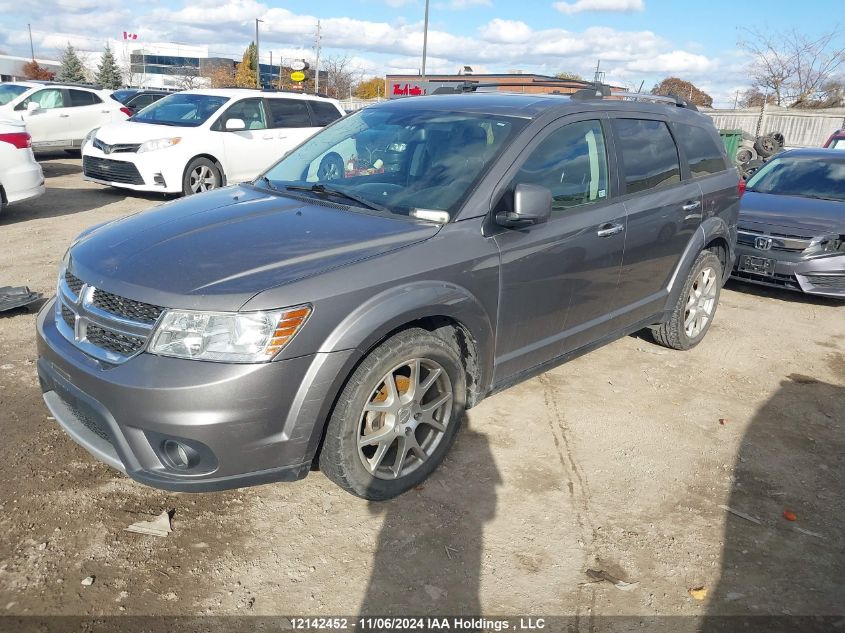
(732, 140)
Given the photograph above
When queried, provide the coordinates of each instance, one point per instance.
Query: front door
(252, 150)
(48, 125)
(558, 278)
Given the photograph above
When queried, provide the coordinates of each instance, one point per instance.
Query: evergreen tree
(71, 68)
(108, 73)
(245, 74)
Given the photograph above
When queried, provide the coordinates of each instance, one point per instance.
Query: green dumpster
(731, 139)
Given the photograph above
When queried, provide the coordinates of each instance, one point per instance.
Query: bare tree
(792, 66)
(342, 73)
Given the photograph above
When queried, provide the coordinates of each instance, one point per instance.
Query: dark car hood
(218, 249)
(806, 215)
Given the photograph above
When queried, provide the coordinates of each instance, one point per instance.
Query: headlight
(240, 337)
(89, 137)
(826, 245)
(159, 143)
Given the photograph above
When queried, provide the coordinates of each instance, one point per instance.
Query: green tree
(71, 68)
(245, 73)
(108, 73)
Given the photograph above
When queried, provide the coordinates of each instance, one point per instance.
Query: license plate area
(757, 265)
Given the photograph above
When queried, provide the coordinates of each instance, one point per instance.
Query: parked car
(20, 175)
(240, 336)
(59, 115)
(198, 140)
(138, 99)
(792, 223)
(836, 140)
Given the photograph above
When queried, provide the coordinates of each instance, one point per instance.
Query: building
(397, 86)
(11, 67)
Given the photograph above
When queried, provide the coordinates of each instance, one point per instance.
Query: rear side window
(83, 98)
(324, 113)
(289, 113)
(648, 153)
(703, 153)
(572, 163)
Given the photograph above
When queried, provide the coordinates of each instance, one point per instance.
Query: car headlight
(240, 337)
(159, 143)
(89, 137)
(826, 245)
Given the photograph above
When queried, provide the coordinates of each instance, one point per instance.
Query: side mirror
(235, 125)
(532, 204)
(33, 106)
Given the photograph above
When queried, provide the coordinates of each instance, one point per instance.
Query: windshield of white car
(803, 176)
(182, 109)
(10, 91)
(392, 161)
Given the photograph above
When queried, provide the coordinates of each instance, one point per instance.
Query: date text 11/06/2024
(432, 623)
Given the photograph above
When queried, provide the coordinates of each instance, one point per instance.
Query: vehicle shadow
(54, 166)
(786, 558)
(783, 295)
(429, 552)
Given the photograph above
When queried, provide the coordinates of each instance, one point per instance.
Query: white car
(20, 176)
(198, 140)
(57, 115)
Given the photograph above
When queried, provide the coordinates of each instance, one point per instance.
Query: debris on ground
(88, 581)
(160, 526)
(808, 532)
(789, 515)
(17, 297)
(698, 593)
(741, 515)
(599, 575)
(656, 352)
(723, 421)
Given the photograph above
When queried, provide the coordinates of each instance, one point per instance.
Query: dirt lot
(618, 461)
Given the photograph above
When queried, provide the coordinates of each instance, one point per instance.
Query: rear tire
(382, 441)
(201, 175)
(693, 314)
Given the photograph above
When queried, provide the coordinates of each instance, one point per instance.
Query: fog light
(158, 179)
(179, 455)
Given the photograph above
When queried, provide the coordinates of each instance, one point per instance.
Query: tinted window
(806, 176)
(83, 98)
(141, 101)
(703, 151)
(250, 111)
(289, 113)
(649, 154)
(324, 113)
(47, 99)
(183, 109)
(572, 163)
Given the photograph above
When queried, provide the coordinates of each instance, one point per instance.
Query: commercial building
(11, 67)
(397, 86)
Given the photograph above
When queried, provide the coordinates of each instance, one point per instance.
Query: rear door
(664, 209)
(249, 151)
(86, 111)
(291, 123)
(558, 278)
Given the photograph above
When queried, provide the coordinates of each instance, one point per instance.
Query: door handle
(268, 136)
(691, 206)
(282, 135)
(608, 229)
(63, 116)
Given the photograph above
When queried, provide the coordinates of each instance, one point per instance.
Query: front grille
(117, 148)
(68, 317)
(111, 170)
(112, 341)
(778, 279)
(779, 241)
(74, 283)
(126, 308)
(828, 282)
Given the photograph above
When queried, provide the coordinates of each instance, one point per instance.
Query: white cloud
(607, 6)
(505, 31)
(458, 5)
(677, 62)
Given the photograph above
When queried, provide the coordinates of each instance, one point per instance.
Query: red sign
(408, 90)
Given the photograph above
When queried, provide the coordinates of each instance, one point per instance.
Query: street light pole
(31, 47)
(425, 39)
(257, 57)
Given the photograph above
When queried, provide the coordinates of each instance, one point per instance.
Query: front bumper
(150, 171)
(247, 423)
(824, 276)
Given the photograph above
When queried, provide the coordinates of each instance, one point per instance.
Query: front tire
(693, 314)
(201, 175)
(397, 416)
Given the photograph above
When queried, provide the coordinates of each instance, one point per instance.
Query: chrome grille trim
(108, 329)
(779, 242)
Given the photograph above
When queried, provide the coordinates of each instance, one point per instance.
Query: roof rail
(601, 91)
(79, 84)
(473, 86)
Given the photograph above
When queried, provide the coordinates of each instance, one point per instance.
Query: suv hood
(808, 216)
(217, 250)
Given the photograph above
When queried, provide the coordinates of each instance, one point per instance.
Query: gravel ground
(623, 461)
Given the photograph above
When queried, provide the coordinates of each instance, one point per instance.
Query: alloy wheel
(203, 179)
(701, 302)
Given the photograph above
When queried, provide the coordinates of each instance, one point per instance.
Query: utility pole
(319, 39)
(425, 41)
(31, 47)
(736, 99)
(257, 57)
(599, 76)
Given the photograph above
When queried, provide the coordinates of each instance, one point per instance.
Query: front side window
(648, 153)
(703, 153)
(47, 99)
(394, 160)
(289, 113)
(250, 111)
(181, 109)
(572, 163)
(10, 91)
(83, 98)
(804, 176)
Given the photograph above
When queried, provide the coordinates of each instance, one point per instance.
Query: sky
(637, 41)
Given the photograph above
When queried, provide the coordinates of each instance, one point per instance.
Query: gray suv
(344, 309)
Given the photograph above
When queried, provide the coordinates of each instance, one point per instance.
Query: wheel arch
(213, 159)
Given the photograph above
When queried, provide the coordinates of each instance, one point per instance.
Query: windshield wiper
(325, 191)
(265, 179)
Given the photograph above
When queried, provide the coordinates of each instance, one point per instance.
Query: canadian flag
(130, 36)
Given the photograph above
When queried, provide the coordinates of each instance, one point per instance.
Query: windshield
(396, 160)
(805, 176)
(124, 95)
(10, 91)
(188, 110)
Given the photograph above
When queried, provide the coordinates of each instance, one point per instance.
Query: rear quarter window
(649, 154)
(289, 113)
(324, 113)
(703, 151)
